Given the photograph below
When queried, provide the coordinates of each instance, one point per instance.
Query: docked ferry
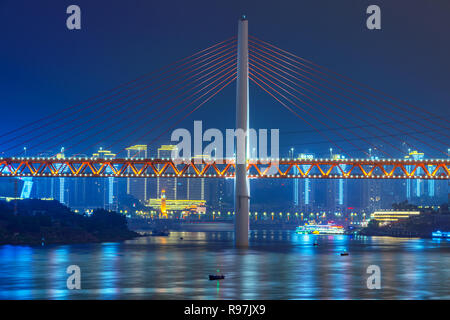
(320, 229)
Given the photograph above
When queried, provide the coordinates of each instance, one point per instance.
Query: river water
(278, 265)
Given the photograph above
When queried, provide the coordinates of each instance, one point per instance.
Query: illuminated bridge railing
(257, 168)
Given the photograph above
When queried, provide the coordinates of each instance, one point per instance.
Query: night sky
(45, 67)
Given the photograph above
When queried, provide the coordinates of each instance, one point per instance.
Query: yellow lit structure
(138, 147)
(163, 206)
(177, 205)
(104, 154)
(8, 199)
(385, 217)
(414, 155)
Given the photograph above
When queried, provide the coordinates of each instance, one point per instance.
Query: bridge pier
(241, 184)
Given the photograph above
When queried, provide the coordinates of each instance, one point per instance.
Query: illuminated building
(303, 190)
(176, 205)
(372, 193)
(195, 188)
(418, 188)
(77, 197)
(168, 184)
(414, 187)
(110, 190)
(295, 189)
(219, 193)
(26, 188)
(52, 188)
(337, 190)
(163, 206)
(137, 187)
(386, 217)
(61, 190)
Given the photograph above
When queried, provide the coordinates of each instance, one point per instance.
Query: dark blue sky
(45, 67)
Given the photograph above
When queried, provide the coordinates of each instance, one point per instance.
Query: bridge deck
(198, 168)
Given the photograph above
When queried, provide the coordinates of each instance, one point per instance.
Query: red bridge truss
(257, 168)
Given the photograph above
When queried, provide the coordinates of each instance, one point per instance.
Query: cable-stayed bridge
(356, 120)
(225, 168)
(347, 115)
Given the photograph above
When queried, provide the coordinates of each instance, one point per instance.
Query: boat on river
(320, 229)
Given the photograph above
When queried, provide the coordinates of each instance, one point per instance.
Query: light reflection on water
(278, 265)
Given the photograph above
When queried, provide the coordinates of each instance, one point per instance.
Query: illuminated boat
(440, 234)
(320, 229)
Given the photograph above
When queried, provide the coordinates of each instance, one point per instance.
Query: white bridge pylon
(241, 184)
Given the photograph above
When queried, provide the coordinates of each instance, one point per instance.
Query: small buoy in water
(344, 253)
(315, 244)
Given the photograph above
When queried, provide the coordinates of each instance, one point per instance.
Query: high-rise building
(303, 188)
(418, 188)
(43, 188)
(53, 188)
(110, 190)
(61, 186)
(138, 187)
(195, 187)
(414, 188)
(217, 194)
(337, 190)
(168, 184)
(371, 193)
(77, 197)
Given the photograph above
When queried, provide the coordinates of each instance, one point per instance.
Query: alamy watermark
(73, 22)
(374, 280)
(219, 147)
(74, 280)
(373, 22)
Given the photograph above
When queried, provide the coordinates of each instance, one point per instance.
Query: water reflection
(278, 265)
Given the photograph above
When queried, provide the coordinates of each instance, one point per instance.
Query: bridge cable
(312, 107)
(124, 104)
(358, 95)
(396, 128)
(295, 113)
(155, 106)
(27, 125)
(338, 76)
(166, 110)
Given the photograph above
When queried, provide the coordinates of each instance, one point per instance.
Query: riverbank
(420, 226)
(38, 222)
